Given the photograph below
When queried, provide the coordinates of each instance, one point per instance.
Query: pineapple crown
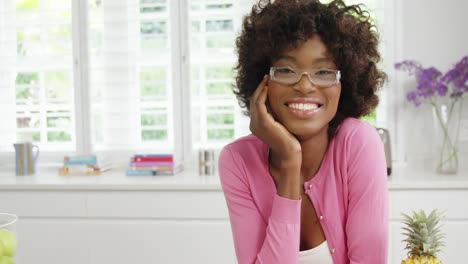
(423, 234)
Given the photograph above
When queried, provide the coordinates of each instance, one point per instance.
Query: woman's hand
(285, 147)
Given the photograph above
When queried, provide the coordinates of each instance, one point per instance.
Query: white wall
(434, 33)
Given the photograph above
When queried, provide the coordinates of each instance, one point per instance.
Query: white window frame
(181, 94)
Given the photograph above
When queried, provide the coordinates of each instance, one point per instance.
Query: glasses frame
(307, 73)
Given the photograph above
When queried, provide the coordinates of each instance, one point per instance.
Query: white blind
(132, 73)
(214, 26)
(7, 74)
(130, 70)
(36, 80)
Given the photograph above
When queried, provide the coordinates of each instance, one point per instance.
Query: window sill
(402, 178)
(49, 179)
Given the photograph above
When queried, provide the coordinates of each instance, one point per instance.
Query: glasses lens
(324, 78)
(285, 75)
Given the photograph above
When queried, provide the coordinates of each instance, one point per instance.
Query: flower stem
(452, 150)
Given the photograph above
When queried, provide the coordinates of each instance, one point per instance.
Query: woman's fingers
(261, 101)
(258, 91)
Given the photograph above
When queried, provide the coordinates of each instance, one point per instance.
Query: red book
(151, 164)
(153, 159)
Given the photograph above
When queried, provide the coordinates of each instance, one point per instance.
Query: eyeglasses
(322, 78)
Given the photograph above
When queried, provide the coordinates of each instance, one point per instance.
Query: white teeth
(304, 107)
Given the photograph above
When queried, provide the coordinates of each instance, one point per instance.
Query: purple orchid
(458, 77)
(430, 81)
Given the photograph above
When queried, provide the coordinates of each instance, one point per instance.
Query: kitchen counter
(402, 178)
(84, 218)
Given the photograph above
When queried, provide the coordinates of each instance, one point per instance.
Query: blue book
(80, 160)
(140, 173)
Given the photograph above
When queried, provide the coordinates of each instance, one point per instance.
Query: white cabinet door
(150, 242)
(157, 204)
(52, 241)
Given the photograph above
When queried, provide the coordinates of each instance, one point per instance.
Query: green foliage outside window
(26, 85)
(58, 136)
(153, 27)
(219, 25)
(218, 6)
(153, 120)
(60, 122)
(27, 5)
(371, 118)
(58, 85)
(219, 72)
(148, 135)
(36, 136)
(27, 78)
(220, 119)
(152, 6)
(220, 134)
(219, 88)
(153, 82)
(214, 42)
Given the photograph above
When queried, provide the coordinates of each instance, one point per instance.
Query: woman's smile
(304, 108)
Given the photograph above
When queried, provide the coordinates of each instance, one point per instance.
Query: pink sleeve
(255, 240)
(368, 211)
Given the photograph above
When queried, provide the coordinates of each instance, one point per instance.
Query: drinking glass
(8, 238)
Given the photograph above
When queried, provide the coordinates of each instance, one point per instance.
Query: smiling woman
(309, 184)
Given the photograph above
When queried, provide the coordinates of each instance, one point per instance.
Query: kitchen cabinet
(115, 219)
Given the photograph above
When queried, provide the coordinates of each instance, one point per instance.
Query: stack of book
(81, 165)
(153, 164)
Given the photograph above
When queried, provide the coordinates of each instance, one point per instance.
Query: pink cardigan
(349, 193)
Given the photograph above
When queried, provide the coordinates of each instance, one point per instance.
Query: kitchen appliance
(385, 137)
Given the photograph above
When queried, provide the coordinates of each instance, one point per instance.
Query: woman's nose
(304, 85)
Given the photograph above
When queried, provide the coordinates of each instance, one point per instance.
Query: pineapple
(423, 237)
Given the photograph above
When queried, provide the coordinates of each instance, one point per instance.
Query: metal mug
(26, 157)
(206, 162)
(385, 137)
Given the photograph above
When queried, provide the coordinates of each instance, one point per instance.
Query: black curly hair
(273, 27)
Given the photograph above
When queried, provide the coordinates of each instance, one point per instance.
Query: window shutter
(213, 28)
(36, 74)
(130, 74)
(7, 74)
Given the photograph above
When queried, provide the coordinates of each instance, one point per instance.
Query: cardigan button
(321, 217)
(310, 186)
(333, 251)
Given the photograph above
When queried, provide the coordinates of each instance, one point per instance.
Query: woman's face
(303, 108)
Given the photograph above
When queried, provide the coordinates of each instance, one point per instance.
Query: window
(132, 75)
(216, 116)
(37, 75)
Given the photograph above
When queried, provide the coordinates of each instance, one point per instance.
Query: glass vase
(447, 123)
(8, 238)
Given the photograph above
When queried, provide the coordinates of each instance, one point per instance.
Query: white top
(319, 254)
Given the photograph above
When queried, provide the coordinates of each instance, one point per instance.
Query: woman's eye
(285, 71)
(324, 72)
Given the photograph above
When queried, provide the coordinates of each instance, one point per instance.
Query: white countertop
(48, 179)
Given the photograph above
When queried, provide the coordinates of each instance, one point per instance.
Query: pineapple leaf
(422, 233)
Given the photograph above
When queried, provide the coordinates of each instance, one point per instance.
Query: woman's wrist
(289, 185)
(289, 188)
